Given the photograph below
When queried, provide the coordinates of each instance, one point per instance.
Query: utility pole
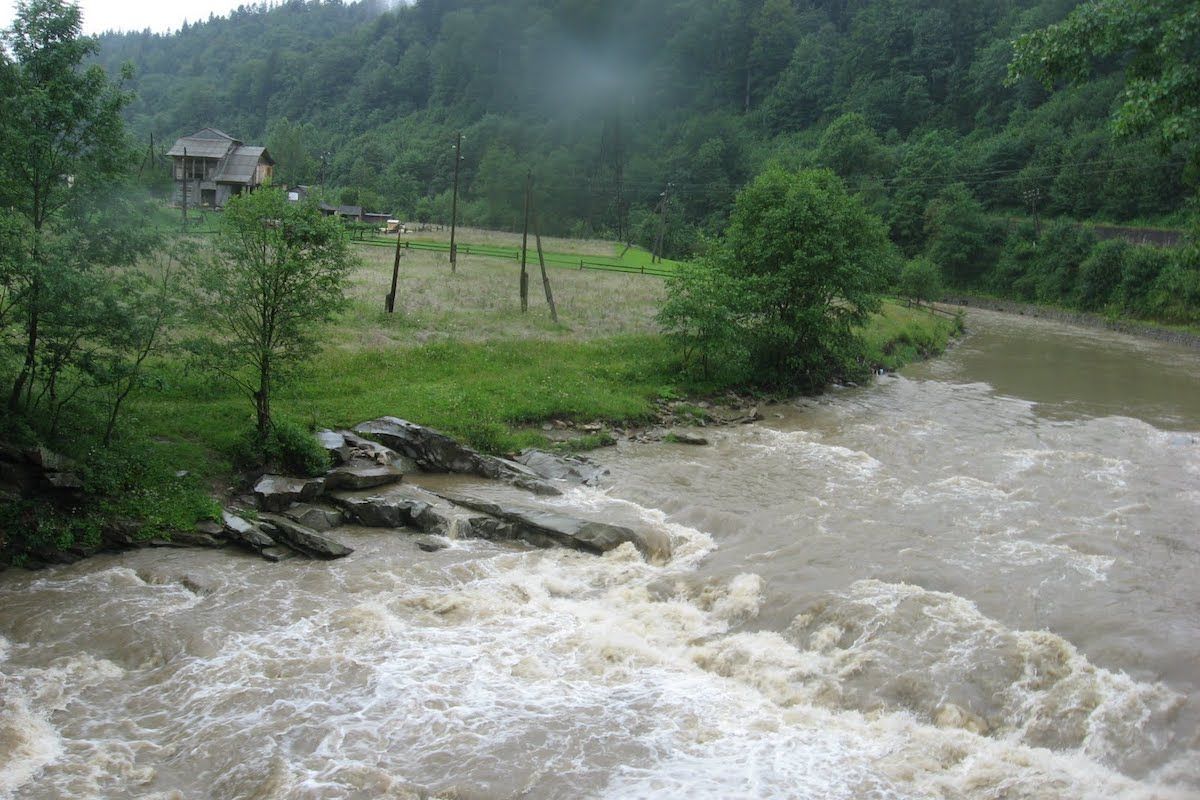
(390, 303)
(454, 201)
(185, 186)
(537, 234)
(1032, 196)
(524, 243)
(663, 205)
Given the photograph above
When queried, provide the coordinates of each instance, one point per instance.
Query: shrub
(920, 280)
(1100, 274)
(286, 447)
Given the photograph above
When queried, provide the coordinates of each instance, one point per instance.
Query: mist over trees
(901, 98)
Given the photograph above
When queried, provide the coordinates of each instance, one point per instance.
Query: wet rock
(365, 451)
(277, 492)
(277, 553)
(403, 507)
(571, 468)
(301, 538)
(683, 437)
(210, 527)
(548, 528)
(245, 533)
(335, 444)
(188, 539)
(433, 451)
(121, 532)
(316, 517)
(353, 478)
(431, 544)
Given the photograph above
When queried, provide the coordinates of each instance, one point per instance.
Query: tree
(278, 271)
(1161, 41)
(920, 280)
(959, 236)
(62, 141)
(800, 267)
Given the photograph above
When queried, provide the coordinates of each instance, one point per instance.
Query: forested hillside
(903, 98)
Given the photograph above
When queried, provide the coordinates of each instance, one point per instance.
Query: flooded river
(976, 579)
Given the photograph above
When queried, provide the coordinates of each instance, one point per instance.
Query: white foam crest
(897, 646)
(5, 646)
(689, 545)
(28, 743)
(804, 448)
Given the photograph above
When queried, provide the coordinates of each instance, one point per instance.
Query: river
(976, 579)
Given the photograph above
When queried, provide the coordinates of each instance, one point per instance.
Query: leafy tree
(278, 271)
(920, 280)
(62, 141)
(800, 266)
(1160, 40)
(959, 236)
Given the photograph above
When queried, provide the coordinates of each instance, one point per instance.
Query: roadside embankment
(1145, 330)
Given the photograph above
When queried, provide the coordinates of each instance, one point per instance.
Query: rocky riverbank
(283, 517)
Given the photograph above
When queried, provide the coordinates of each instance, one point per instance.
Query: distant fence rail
(514, 253)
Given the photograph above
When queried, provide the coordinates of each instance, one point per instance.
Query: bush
(920, 280)
(1141, 269)
(1100, 274)
(286, 448)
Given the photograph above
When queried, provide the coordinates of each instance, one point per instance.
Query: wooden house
(210, 166)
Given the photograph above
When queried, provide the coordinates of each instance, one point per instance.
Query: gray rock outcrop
(433, 451)
(303, 539)
(277, 492)
(569, 468)
(549, 528)
(354, 478)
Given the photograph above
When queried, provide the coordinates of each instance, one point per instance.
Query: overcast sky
(135, 15)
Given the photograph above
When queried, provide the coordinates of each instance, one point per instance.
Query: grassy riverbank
(459, 355)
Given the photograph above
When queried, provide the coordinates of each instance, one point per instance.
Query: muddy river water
(976, 579)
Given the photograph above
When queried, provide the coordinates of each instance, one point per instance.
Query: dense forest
(621, 108)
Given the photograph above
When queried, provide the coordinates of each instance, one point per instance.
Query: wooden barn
(210, 166)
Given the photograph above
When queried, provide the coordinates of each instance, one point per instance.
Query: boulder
(316, 517)
(547, 528)
(301, 538)
(335, 444)
(354, 478)
(683, 437)
(371, 452)
(277, 553)
(433, 451)
(571, 468)
(402, 507)
(431, 544)
(192, 538)
(245, 533)
(277, 492)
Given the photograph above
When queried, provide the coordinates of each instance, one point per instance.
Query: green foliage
(800, 266)
(286, 447)
(277, 272)
(920, 280)
(959, 236)
(1158, 40)
(132, 485)
(1100, 274)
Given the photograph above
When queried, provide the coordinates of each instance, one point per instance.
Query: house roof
(204, 143)
(350, 211)
(240, 165)
(200, 147)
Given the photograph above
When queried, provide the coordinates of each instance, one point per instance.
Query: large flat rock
(433, 451)
(303, 539)
(550, 528)
(277, 492)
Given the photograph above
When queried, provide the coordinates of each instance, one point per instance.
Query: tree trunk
(25, 376)
(262, 399)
